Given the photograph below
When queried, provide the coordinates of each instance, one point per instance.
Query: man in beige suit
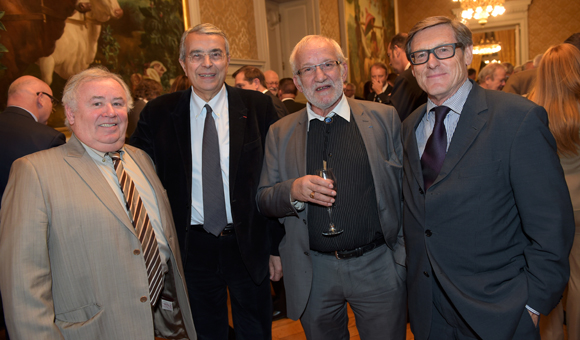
(72, 264)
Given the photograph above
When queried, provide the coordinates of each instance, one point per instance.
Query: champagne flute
(328, 174)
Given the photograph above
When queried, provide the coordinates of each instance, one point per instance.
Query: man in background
(350, 91)
(523, 82)
(272, 81)
(472, 74)
(406, 95)
(287, 94)
(251, 78)
(23, 128)
(492, 77)
(380, 86)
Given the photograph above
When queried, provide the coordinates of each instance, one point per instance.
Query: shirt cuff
(532, 310)
(299, 206)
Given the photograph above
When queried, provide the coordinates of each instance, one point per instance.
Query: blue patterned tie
(214, 203)
(435, 149)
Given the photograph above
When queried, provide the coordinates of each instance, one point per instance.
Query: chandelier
(487, 45)
(481, 9)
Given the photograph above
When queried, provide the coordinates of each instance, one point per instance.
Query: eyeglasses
(327, 66)
(441, 52)
(198, 57)
(52, 99)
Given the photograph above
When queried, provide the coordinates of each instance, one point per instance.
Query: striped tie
(143, 228)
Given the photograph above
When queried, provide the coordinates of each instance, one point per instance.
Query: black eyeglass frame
(52, 99)
(432, 51)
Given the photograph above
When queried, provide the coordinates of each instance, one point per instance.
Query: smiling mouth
(108, 125)
(322, 88)
(207, 75)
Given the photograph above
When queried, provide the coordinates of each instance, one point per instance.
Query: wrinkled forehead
(432, 37)
(314, 52)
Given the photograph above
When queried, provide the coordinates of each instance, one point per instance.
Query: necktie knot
(440, 113)
(116, 157)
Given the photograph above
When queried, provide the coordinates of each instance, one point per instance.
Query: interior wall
(330, 19)
(236, 19)
(550, 21)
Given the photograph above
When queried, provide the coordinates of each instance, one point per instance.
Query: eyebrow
(102, 97)
(201, 51)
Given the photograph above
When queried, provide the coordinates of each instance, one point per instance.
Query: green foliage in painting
(110, 48)
(3, 48)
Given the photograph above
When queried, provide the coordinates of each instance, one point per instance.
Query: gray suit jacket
(69, 257)
(496, 226)
(285, 161)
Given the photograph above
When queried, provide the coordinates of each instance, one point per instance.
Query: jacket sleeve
(26, 280)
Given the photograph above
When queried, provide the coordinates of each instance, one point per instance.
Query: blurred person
(251, 78)
(365, 264)
(350, 91)
(367, 89)
(492, 77)
(207, 145)
(407, 95)
(87, 241)
(180, 83)
(287, 94)
(574, 39)
(380, 86)
(558, 91)
(146, 90)
(391, 78)
(272, 81)
(488, 222)
(509, 69)
(471, 74)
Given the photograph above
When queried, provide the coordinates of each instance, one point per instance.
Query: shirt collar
(197, 104)
(342, 110)
(457, 100)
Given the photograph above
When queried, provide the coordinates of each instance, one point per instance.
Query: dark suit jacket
(293, 105)
(407, 95)
(496, 226)
(382, 97)
(281, 109)
(164, 133)
(285, 160)
(21, 135)
(138, 105)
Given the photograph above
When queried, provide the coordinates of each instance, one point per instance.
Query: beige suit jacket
(71, 263)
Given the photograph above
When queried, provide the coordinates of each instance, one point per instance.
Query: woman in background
(557, 89)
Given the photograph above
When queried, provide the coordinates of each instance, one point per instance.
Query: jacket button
(136, 252)
(143, 299)
(306, 253)
(426, 274)
(421, 191)
(304, 220)
(428, 233)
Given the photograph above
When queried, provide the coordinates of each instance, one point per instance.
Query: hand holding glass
(328, 174)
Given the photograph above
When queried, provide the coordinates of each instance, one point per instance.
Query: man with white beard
(363, 264)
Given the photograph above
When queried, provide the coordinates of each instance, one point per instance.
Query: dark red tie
(435, 149)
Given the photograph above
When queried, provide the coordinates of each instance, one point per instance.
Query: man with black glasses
(487, 214)
(363, 263)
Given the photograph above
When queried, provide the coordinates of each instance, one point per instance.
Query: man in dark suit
(287, 95)
(487, 215)
(251, 78)
(364, 264)
(406, 95)
(23, 128)
(381, 89)
(224, 240)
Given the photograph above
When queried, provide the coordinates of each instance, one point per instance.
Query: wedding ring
(312, 194)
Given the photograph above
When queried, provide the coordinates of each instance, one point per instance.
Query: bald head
(23, 93)
(272, 81)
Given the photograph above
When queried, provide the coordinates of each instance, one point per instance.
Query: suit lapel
(473, 117)
(411, 148)
(298, 142)
(238, 116)
(182, 125)
(85, 167)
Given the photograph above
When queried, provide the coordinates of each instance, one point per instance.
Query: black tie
(435, 149)
(214, 203)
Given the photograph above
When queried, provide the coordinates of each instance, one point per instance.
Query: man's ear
(69, 114)
(297, 83)
(256, 84)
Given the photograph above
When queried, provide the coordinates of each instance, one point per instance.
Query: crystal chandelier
(481, 9)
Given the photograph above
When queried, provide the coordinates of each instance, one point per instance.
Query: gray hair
(71, 89)
(489, 70)
(337, 50)
(206, 28)
(462, 33)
